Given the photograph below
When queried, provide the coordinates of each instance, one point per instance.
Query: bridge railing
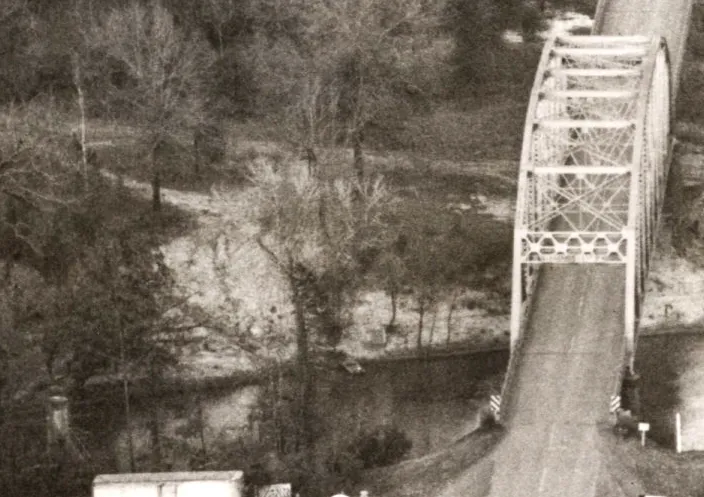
(526, 309)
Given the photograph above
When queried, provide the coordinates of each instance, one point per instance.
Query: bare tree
(9, 8)
(320, 257)
(344, 67)
(165, 69)
(314, 116)
(394, 276)
(451, 307)
(218, 14)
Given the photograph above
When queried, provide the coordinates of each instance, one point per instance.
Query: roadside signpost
(643, 428)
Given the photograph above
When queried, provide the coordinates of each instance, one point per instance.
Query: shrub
(383, 446)
(209, 144)
(486, 420)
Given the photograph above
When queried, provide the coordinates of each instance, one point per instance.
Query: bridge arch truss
(594, 164)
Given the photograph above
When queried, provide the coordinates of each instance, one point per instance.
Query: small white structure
(184, 484)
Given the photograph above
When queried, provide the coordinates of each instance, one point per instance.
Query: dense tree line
(255, 41)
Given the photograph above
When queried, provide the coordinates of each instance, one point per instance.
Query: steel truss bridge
(594, 166)
(596, 154)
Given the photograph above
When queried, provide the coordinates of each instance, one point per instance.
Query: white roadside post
(678, 433)
(643, 428)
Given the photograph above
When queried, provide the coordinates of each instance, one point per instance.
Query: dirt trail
(194, 202)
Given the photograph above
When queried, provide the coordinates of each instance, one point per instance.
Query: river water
(433, 401)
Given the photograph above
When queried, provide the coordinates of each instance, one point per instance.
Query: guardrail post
(678, 433)
(495, 406)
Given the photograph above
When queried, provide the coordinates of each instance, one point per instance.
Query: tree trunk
(154, 427)
(201, 426)
(156, 177)
(432, 326)
(450, 311)
(155, 436)
(421, 316)
(393, 293)
(156, 191)
(4, 377)
(312, 160)
(125, 380)
(355, 113)
(81, 105)
(221, 46)
(128, 422)
(322, 216)
(197, 144)
(306, 380)
(278, 410)
(358, 154)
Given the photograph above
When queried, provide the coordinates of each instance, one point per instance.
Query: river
(432, 401)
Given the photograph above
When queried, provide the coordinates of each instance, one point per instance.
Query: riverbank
(432, 403)
(177, 383)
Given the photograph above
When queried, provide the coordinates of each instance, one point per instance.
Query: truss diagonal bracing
(594, 163)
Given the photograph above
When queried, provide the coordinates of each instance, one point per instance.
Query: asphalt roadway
(558, 411)
(559, 406)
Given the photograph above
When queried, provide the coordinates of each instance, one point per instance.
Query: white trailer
(184, 484)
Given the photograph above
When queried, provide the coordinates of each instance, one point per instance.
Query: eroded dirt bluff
(236, 292)
(224, 274)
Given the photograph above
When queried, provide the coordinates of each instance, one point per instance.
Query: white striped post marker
(495, 405)
(615, 404)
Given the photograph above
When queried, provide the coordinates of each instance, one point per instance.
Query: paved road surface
(668, 18)
(574, 346)
(566, 375)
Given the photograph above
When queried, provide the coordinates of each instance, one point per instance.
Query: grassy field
(660, 363)
(656, 470)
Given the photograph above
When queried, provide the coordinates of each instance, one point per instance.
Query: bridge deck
(573, 350)
(571, 357)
